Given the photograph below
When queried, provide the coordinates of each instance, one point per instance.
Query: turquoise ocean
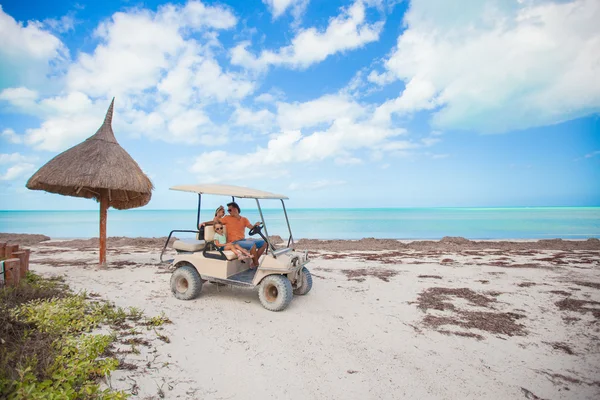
(394, 223)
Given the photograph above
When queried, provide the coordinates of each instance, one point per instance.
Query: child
(222, 244)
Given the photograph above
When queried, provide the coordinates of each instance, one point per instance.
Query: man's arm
(249, 225)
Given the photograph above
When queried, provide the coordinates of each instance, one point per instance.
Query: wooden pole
(12, 271)
(9, 249)
(23, 256)
(103, 209)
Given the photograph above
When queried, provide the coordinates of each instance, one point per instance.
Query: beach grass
(50, 345)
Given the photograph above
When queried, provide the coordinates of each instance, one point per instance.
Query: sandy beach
(386, 319)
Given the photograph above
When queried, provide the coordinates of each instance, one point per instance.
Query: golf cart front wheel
(275, 292)
(304, 283)
(186, 283)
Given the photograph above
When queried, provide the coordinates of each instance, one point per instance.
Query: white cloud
(261, 119)
(332, 127)
(135, 49)
(430, 141)
(348, 31)
(196, 15)
(20, 97)
(11, 136)
(187, 123)
(381, 78)
(324, 109)
(343, 137)
(61, 25)
(592, 154)
(213, 166)
(17, 171)
(58, 133)
(348, 160)
(316, 185)
(270, 97)
(265, 98)
(71, 118)
(28, 52)
(18, 94)
(210, 80)
(139, 46)
(67, 119)
(15, 158)
(396, 148)
(495, 66)
(159, 65)
(279, 7)
(72, 103)
(418, 95)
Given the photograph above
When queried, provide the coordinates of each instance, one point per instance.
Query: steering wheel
(255, 229)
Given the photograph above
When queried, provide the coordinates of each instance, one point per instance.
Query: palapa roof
(228, 190)
(99, 165)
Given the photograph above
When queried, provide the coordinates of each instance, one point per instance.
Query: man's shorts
(248, 243)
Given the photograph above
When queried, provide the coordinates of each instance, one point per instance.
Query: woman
(219, 213)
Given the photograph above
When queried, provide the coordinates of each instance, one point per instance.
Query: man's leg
(261, 250)
(251, 245)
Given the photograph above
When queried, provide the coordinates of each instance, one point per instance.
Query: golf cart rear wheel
(304, 282)
(275, 292)
(186, 283)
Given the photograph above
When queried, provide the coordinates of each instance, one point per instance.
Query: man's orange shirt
(236, 228)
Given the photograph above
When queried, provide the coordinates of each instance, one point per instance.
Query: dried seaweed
(437, 298)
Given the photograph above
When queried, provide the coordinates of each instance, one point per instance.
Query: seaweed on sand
(490, 320)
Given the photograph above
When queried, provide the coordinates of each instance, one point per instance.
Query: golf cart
(281, 271)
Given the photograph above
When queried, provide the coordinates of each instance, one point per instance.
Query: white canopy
(229, 190)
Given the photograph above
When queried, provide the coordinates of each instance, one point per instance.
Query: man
(236, 225)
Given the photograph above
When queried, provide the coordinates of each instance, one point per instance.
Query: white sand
(353, 339)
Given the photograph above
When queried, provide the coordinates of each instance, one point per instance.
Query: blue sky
(364, 103)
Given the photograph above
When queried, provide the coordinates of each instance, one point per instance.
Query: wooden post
(23, 256)
(10, 249)
(103, 209)
(27, 255)
(12, 266)
(2, 249)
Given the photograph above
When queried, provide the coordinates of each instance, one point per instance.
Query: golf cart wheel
(275, 292)
(304, 282)
(186, 283)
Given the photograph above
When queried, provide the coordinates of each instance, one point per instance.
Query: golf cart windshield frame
(262, 218)
(266, 236)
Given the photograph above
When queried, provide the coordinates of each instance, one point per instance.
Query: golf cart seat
(190, 245)
(209, 237)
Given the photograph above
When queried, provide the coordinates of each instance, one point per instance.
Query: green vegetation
(47, 346)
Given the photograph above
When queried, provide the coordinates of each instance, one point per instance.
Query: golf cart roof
(228, 190)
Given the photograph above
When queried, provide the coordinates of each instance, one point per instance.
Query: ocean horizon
(327, 223)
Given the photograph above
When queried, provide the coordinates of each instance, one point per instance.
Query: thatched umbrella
(100, 169)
